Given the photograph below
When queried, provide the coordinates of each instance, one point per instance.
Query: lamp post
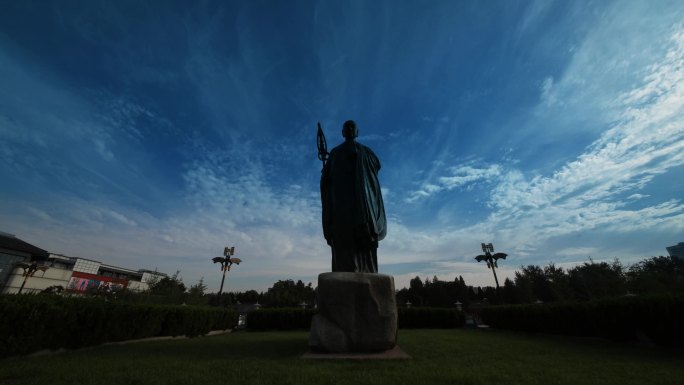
(491, 259)
(226, 261)
(29, 270)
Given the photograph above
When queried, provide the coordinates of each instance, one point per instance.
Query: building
(676, 250)
(76, 275)
(12, 251)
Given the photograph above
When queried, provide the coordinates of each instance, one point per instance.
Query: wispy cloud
(547, 95)
(464, 176)
(198, 137)
(646, 142)
(593, 192)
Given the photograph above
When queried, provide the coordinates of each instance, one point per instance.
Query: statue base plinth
(357, 312)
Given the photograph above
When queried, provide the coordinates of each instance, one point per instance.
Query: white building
(12, 251)
(76, 275)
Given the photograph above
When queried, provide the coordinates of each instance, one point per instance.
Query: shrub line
(31, 323)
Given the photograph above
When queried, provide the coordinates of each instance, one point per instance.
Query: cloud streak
(594, 192)
(161, 142)
(466, 176)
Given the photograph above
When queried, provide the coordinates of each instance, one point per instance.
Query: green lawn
(439, 357)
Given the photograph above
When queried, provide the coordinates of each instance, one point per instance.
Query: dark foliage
(657, 275)
(284, 293)
(413, 318)
(436, 293)
(289, 294)
(33, 322)
(430, 318)
(280, 319)
(592, 280)
(172, 288)
(657, 318)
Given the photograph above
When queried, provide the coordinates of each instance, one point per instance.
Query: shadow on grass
(239, 345)
(439, 356)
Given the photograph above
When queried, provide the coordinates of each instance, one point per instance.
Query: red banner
(83, 282)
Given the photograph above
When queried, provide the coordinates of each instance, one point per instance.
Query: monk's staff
(322, 145)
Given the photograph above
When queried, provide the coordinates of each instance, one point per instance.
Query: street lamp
(226, 261)
(29, 270)
(488, 249)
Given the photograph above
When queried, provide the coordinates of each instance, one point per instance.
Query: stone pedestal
(357, 312)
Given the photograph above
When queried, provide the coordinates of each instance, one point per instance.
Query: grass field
(462, 356)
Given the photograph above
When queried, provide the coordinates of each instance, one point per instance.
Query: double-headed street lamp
(491, 259)
(226, 261)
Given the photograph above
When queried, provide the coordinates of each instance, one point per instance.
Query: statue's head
(349, 130)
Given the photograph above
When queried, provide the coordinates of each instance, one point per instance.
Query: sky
(150, 135)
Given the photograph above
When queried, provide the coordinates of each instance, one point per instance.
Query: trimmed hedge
(411, 318)
(280, 319)
(33, 322)
(430, 318)
(658, 318)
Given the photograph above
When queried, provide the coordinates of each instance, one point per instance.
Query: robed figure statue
(353, 211)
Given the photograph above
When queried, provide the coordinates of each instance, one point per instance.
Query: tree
(416, 291)
(402, 296)
(437, 293)
(170, 287)
(529, 281)
(198, 289)
(196, 293)
(460, 290)
(558, 283)
(509, 292)
(416, 284)
(657, 275)
(250, 296)
(597, 280)
(289, 294)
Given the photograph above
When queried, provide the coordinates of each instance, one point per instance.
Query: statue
(353, 211)
(357, 308)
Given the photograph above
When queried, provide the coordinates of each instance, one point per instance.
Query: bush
(430, 318)
(280, 319)
(411, 318)
(657, 318)
(33, 322)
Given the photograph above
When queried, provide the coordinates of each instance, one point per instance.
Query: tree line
(590, 280)
(531, 283)
(283, 293)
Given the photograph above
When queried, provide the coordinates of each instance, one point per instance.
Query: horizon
(151, 137)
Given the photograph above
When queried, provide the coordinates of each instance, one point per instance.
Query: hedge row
(430, 318)
(279, 319)
(33, 322)
(409, 318)
(658, 318)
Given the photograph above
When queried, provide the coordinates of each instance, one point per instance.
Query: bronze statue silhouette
(353, 211)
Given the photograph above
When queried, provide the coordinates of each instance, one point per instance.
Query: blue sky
(153, 134)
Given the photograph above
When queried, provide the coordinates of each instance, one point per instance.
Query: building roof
(676, 250)
(121, 270)
(11, 242)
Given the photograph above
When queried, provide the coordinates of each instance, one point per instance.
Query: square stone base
(357, 313)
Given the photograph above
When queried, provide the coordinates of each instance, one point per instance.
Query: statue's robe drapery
(353, 211)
